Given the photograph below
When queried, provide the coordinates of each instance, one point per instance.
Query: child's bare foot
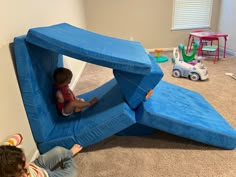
(76, 148)
(93, 101)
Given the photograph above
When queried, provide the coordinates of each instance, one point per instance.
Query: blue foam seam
(133, 82)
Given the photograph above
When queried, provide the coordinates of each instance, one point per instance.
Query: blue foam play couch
(123, 106)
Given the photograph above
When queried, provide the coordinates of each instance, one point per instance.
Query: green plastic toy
(190, 57)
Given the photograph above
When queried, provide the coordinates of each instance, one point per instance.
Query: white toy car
(194, 71)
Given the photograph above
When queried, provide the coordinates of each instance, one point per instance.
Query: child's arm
(59, 97)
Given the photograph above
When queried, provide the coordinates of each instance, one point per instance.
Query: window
(191, 14)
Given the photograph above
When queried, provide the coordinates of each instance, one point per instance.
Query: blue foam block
(35, 80)
(110, 115)
(91, 47)
(186, 113)
(135, 87)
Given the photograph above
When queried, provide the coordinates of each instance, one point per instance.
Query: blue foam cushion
(95, 48)
(35, 79)
(35, 68)
(135, 87)
(186, 113)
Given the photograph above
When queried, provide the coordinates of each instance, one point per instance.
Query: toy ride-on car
(194, 71)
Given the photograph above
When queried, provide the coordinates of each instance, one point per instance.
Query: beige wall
(16, 17)
(147, 21)
(227, 23)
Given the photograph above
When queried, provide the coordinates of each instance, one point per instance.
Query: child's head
(12, 161)
(62, 76)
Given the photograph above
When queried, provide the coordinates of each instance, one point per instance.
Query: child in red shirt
(66, 101)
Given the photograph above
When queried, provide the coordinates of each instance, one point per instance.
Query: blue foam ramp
(135, 87)
(35, 66)
(91, 47)
(186, 113)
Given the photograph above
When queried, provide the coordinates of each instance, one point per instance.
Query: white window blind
(191, 14)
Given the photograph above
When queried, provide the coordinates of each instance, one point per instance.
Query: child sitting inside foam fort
(66, 101)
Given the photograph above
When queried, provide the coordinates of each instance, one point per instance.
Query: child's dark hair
(61, 75)
(11, 159)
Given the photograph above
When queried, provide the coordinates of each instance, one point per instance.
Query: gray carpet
(162, 154)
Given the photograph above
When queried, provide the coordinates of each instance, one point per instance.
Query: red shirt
(67, 94)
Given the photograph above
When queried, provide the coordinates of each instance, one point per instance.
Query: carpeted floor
(162, 154)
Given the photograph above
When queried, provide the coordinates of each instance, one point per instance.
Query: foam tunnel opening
(92, 77)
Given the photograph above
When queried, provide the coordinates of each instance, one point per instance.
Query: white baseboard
(228, 51)
(163, 49)
(76, 66)
(35, 155)
(77, 77)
